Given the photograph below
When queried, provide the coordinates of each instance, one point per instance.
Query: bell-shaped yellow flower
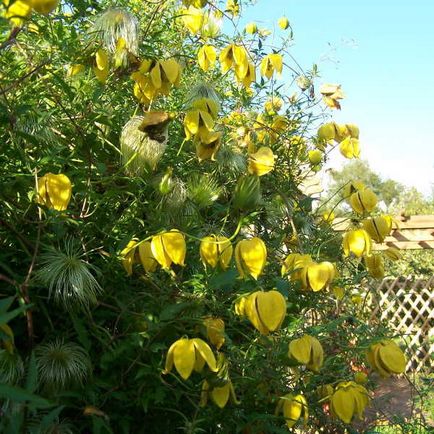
(128, 256)
(352, 187)
(294, 408)
(375, 265)
(315, 157)
(206, 57)
(193, 19)
(378, 227)
(188, 355)
(308, 351)
(216, 250)
(17, 11)
(358, 242)
(147, 258)
(250, 257)
(327, 132)
(169, 247)
(393, 253)
(250, 77)
(54, 191)
(273, 105)
(237, 56)
(270, 64)
(251, 28)
(350, 148)
(294, 263)
(363, 201)
(197, 122)
(386, 358)
(283, 23)
(265, 310)
(215, 331)
(332, 93)
(101, 68)
(219, 394)
(44, 6)
(348, 400)
(261, 162)
(207, 144)
(317, 276)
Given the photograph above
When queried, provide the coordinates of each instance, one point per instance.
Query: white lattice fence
(407, 304)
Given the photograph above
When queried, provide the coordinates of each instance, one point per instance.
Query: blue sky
(382, 52)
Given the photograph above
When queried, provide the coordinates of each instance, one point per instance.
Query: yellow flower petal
(184, 357)
(271, 309)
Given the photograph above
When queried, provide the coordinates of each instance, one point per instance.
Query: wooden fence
(407, 304)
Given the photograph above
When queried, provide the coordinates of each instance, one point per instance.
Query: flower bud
(349, 399)
(308, 351)
(216, 251)
(251, 28)
(283, 23)
(215, 331)
(317, 276)
(293, 407)
(375, 265)
(168, 248)
(378, 227)
(315, 157)
(386, 358)
(363, 201)
(358, 242)
(54, 191)
(250, 257)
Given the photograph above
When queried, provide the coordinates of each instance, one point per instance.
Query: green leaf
(21, 395)
(224, 281)
(80, 329)
(7, 316)
(32, 374)
(5, 304)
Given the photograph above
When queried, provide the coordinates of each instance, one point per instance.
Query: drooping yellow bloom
(332, 93)
(386, 358)
(261, 162)
(393, 253)
(273, 105)
(283, 23)
(357, 241)
(215, 330)
(169, 247)
(352, 187)
(75, 69)
(315, 157)
(265, 310)
(327, 132)
(219, 394)
(250, 257)
(251, 28)
(378, 227)
(193, 19)
(17, 11)
(54, 191)
(216, 250)
(350, 148)
(294, 264)
(270, 64)
(207, 145)
(250, 77)
(294, 408)
(206, 57)
(128, 256)
(375, 265)
(188, 355)
(147, 258)
(317, 276)
(43, 6)
(101, 68)
(363, 201)
(349, 399)
(235, 56)
(308, 351)
(198, 122)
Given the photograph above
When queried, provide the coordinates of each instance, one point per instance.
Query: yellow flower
(386, 358)
(349, 399)
(206, 57)
(101, 68)
(261, 162)
(75, 69)
(250, 77)
(265, 310)
(363, 201)
(188, 355)
(294, 263)
(193, 19)
(338, 292)
(251, 28)
(352, 187)
(207, 145)
(250, 257)
(169, 247)
(315, 157)
(273, 105)
(393, 253)
(215, 330)
(269, 64)
(375, 266)
(237, 56)
(44, 6)
(216, 250)
(283, 23)
(54, 191)
(128, 256)
(147, 258)
(332, 93)
(195, 3)
(317, 276)
(219, 395)
(308, 351)
(233, 7)
(357, 241)
(293, 408)
(328, 216)
(18, 11)
(378, 227)
(350, 148)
